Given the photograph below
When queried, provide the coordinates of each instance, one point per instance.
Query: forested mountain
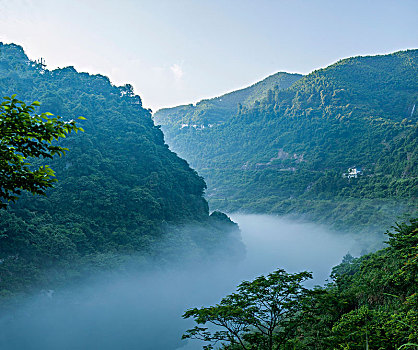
(288, 152)
(119, 190)
(219, 109)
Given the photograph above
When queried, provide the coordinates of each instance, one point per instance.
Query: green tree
(24, 135)
(261, 315)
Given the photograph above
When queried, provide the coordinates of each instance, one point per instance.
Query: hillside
(219, 109)
(288, 153)
(120, 189)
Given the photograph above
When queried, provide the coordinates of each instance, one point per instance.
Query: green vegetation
(219, 109)
(287, 153)
(120, 190)
(23, 135)
(371, 303)
(261, 313)
(123, 198)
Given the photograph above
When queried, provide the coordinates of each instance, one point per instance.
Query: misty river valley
(131, 311)
(268, 214)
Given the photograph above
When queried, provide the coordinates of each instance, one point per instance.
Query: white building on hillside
(353, 172)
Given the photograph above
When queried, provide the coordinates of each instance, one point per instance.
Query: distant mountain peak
(218, 109)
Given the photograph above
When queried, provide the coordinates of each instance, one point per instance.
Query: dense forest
(120, 190)
(288, 152)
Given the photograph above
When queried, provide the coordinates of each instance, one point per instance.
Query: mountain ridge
(226, 103)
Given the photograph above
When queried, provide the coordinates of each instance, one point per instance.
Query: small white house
(353, 173)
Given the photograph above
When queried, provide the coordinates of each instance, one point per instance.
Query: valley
(122, 241)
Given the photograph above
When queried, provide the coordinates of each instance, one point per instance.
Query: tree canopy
(262, 313)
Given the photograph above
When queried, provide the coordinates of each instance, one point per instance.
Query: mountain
(219, 109)
(288, 152)
(120, 190)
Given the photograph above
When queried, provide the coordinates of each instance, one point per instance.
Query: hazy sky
(180, 51)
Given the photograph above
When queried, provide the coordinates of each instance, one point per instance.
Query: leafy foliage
(263, 313)
(372, 300)
(24, 135)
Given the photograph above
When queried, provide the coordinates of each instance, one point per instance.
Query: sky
(181, 51)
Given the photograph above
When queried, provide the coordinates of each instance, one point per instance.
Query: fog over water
(274, 242)
(142, 310)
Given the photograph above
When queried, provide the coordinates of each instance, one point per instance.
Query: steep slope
(120, 188)
(288, 152)
(219, 109)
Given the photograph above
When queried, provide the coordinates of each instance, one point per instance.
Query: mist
(140, 309)
(294, 245)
